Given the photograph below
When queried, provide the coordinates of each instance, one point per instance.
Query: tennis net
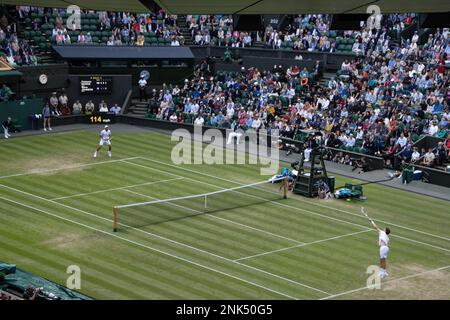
(158, 211)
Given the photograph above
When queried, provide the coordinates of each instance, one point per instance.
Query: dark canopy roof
(247, 6)
(125, 52)
(108, 5)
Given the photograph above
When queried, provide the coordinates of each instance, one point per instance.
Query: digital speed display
(95, 85)
(101, 118)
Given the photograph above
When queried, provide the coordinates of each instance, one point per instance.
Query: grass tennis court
(56, 210)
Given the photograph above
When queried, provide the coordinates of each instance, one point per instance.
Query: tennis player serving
(383, 241)
(105, 138)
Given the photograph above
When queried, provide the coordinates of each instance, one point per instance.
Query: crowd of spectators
(304, 32)
(59, 105)
(217, 30)
(111, 28)
(14, 51)
(312, 32)
(378, 104)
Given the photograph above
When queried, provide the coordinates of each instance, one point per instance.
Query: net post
(285, 187)
(115, 219)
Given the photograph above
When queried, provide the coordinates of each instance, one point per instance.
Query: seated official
(89, 107)
(77, 107)
(103, 109)
(102, 106)
(115, 109)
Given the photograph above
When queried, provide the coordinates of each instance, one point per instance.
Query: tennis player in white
(383, 241)
(105, 138)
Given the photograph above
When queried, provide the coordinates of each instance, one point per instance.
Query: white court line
(222, 188)
(67, 168)
(235, 261)
(298, 199)
(388, 281)
(301, 245)
(118, 188)
(379, 220)
(219, 218)
(168, 239)
(150, 248)
(250, 195)
(282, 204)
(213, 216)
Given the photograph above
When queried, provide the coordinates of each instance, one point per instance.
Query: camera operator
(31, 293)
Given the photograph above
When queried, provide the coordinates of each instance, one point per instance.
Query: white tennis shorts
(384, 250)
(107, 142)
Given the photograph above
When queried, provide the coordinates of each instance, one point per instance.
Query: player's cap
(106, 126)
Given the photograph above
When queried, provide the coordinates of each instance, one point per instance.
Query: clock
(43, 79)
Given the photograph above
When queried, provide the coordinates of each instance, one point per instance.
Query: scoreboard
(95, 85)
